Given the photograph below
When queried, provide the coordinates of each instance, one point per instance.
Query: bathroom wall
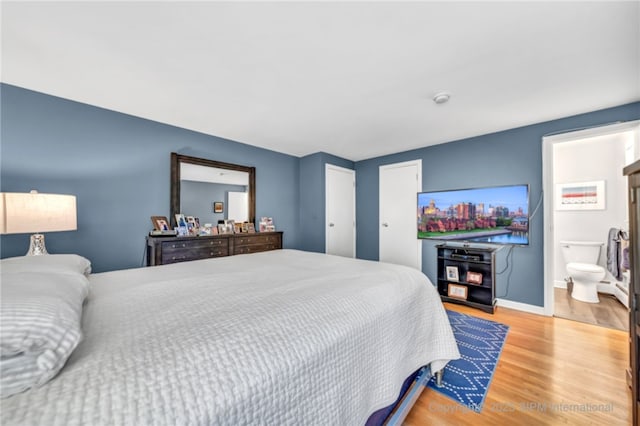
(591, 159)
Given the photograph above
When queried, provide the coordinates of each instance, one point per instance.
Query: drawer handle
(178, 258)
(179, 245)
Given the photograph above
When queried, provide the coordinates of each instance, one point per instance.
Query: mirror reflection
(211, 190)
(212, 194)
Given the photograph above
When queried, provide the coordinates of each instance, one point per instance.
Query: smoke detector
(441, 97)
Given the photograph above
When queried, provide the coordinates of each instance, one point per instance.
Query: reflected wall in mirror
(198, 183)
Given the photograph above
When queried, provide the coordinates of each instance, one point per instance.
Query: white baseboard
(560, 284)
(603, 287)
(525, 307)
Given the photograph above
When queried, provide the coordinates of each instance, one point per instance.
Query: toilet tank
(581, 251)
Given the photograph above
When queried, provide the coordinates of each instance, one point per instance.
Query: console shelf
(466, 275)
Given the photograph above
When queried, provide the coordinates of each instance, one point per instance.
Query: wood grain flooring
(608, 313)
(552, 371)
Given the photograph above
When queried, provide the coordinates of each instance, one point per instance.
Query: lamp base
(37, 248)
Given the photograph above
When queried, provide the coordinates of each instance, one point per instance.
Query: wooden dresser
(164, 250)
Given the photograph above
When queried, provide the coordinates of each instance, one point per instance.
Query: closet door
(340, 215)
(398, 238)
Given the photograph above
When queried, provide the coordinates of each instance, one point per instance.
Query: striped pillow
(51, 263)
(41, 317)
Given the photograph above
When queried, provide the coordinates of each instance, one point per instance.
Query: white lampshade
(22, 213)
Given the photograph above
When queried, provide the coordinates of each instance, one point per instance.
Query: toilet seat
(585, 277)
(585, 267)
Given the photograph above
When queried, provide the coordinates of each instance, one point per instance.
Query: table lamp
(24, 213)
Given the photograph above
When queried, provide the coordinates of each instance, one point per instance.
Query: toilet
(581, 259)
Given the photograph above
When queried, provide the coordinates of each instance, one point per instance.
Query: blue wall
(118, 167)
(510, 157)
(312, 198)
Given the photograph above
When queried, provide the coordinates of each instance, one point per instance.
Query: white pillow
(54, 263)
(41, 317)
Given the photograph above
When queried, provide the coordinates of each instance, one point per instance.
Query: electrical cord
(535, 210)
(508, 263)
(509, 256)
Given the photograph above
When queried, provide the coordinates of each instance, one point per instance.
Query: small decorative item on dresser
(457, 291)
(160, 223)
(266, 224)
(251, 228)
(474, 277)
(452, 273)
(231, 226)
(225, 228)
(218, 207)
(181, 225)
(192, 225)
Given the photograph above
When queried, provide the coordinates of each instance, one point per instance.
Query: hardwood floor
(552, 371)
(608, 313)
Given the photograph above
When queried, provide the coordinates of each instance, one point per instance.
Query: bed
(279, 337)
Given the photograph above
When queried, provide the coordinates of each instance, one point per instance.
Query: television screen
(498, 215)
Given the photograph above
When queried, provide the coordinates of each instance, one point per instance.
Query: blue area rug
(466, 380)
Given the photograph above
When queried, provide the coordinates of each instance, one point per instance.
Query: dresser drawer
(255, 248)
(184, 250)
(273, 239)
(183, 255)
(193, 244)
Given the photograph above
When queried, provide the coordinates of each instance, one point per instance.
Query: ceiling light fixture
(441, 97)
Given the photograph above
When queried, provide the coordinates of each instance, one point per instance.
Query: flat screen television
(496, 214)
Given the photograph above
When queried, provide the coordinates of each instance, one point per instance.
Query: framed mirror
(211, 190)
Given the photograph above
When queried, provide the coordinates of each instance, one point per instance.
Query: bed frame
(412, 388)
(411, 395)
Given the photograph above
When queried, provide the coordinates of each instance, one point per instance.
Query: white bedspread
(281, 337)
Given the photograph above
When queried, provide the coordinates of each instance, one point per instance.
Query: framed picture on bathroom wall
(580, 196)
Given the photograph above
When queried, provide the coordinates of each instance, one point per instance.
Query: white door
(340, 201)
(399, 186)
(238, 209)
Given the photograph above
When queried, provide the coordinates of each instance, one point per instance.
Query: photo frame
(580, 196)
(474, 277)
(457, 291)
(160, 223)
(452, 273)
(181, 221)
(224, 229)
(218, 207)
(251, 228)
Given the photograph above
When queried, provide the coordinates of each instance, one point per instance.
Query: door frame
(418, 164)
(549, 251)
(352, 172)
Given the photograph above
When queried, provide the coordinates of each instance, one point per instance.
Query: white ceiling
(354, 79)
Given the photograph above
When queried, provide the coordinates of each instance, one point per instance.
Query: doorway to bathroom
(585, 196)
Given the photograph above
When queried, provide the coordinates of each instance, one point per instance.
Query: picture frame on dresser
(160, 223)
